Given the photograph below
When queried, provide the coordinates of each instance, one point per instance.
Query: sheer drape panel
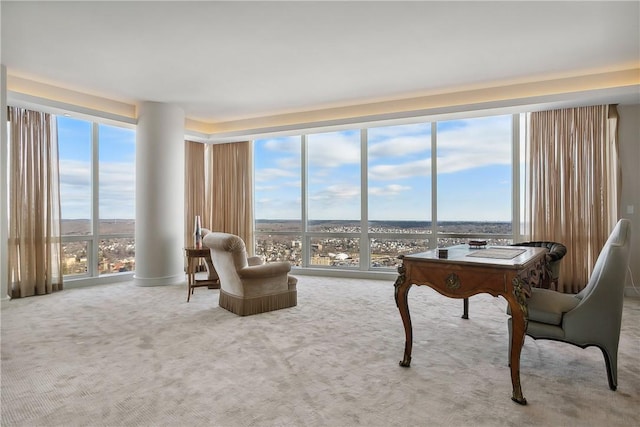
(230, 190)
(573, 185)
(194, 195)
(35, 251)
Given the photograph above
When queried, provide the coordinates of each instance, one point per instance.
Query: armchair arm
(254, 260)
(264, 270)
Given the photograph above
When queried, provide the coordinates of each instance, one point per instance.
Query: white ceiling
(226, 61)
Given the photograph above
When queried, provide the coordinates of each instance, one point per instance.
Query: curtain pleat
(194, 195)
(573, 174)
(229, 190)
(34, 249)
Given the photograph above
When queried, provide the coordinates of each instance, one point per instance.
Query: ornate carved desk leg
(465, 308)
(401, 292)
(519, 316)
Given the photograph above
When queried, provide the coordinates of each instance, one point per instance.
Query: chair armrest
(264, 270)
(254, 260)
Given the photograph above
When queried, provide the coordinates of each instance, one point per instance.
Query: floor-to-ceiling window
(97, 194)
(333, 163)
(277, 199)
(399, 192)
(75, 152)
(474, 175)
(365, 196)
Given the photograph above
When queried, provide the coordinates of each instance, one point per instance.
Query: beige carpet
(121, 355)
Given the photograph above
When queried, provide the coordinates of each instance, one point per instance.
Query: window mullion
(95, 206)
(365, 252)
(433, 242)
(306, 240)
(515, 180)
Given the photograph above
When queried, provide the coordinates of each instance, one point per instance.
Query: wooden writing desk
(464, 274)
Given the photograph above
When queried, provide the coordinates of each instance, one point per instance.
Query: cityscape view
(115, 254)
(281, 240)
(277, 240)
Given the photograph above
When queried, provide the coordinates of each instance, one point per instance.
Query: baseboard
(631, 291)
(160, 281)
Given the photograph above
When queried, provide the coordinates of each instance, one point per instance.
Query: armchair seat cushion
(546, 306)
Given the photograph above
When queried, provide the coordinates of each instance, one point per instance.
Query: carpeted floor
(121, 355)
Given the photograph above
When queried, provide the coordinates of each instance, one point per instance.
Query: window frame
(92, 240)
(432, 235)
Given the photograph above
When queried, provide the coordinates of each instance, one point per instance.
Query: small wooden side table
(193, 256)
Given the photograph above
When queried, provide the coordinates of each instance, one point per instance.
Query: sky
(473, 173)
(116, 176)
(473, 179)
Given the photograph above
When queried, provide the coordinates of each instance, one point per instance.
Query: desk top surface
(192, 251)
(496, 256)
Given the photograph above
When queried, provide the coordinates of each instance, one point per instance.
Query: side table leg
(190, 277)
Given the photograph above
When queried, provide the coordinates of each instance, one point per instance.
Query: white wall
(629, 143)
(4, 220)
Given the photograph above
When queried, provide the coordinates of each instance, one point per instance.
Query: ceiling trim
(627, 80)
(557, 93)
(67, 98)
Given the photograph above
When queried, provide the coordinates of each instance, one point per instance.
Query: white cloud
(388, 190)
(286, 144)
(334, 192)
(286, 207)
(75, 189)
(412, 169)
(473, 143)
(116, 189)
(280, 187)
(331, 150)
(404, 145)
(270, 174)
(291, 163)
(481, 142)
(74, 172)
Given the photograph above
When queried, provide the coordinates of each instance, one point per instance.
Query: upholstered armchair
(247, 286)
(212, 274)
(593, 316)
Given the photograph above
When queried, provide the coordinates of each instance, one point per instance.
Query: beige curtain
(229, 189)
(35, 251)
(573, 185)
(194, 195)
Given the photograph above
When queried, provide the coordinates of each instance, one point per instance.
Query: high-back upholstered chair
(593, 316)
(555, 252)
(246, 285)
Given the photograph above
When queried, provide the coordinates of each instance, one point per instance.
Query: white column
(159, 195)
(4, 220)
